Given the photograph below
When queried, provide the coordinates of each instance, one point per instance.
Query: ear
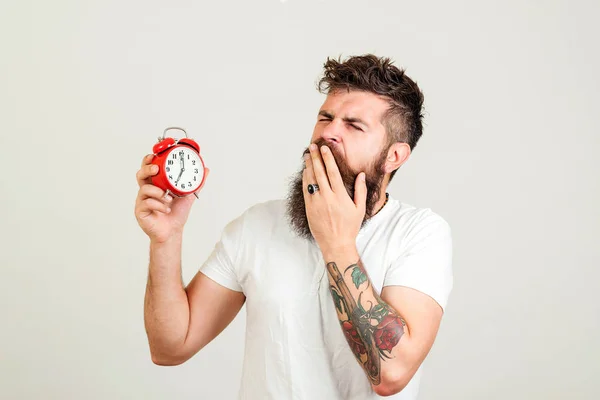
(398, 154)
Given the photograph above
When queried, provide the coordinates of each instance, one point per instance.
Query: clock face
(184, 169)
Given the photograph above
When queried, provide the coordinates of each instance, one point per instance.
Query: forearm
(166, 307)
(373, 329)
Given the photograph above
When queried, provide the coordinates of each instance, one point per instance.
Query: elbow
(391, 384)
(171, 355)
(167, 360)
(389, 388)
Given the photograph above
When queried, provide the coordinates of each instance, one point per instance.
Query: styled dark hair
(403, 119)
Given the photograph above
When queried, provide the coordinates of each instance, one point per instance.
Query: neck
(381, 203)
(383, 195)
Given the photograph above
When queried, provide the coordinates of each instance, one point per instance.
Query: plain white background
(508, 157)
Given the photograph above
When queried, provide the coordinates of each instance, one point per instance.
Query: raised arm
(179, 320)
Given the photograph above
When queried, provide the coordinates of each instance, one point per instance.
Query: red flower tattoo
(388, 332)
(354, 340)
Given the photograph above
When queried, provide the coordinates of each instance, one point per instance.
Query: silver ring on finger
(312, 188)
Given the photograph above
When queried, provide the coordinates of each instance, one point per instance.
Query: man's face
(349, 123)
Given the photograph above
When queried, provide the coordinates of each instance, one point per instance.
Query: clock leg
(196, 194)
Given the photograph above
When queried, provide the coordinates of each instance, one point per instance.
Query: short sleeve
(426, 260)
(221, 265)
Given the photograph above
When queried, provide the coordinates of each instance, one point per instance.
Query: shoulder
(260, 215)
(425, 218)
(418, 223)
(421, 252)
(269, 210)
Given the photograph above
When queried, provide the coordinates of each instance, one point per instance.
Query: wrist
(174, 238)
(340, 252)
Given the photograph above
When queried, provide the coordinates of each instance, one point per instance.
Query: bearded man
(345, 286)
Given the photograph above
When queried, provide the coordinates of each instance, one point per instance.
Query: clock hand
(180, 173)
(182, 167)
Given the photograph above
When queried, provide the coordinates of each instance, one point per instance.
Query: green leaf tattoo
(337, 299)
(379, 311)
(358, 276)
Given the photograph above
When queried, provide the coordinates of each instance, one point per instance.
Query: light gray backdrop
(508, 157)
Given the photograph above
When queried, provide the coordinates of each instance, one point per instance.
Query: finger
(151, 191)
(145, 173)
(308, 174)
(319, 169)
(333, 172)
(305, 180)
(360, 192)
(147, 159)
(206, 172)
(151, 205)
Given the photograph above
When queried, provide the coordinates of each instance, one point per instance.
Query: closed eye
(352, 125)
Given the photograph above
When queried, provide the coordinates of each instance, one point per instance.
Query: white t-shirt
(295, 347)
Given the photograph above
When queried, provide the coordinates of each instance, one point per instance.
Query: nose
(332, 132)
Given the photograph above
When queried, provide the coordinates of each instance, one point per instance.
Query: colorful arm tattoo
(372, 328)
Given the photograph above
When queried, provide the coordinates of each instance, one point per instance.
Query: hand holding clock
(159, 215)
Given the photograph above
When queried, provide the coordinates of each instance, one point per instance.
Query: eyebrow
(327, 114)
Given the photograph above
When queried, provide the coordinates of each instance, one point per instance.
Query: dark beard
(296, 209)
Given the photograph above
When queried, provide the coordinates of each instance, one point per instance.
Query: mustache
(340, 161)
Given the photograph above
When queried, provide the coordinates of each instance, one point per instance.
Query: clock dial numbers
(184, 169)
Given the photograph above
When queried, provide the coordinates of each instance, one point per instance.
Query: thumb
(360, 192)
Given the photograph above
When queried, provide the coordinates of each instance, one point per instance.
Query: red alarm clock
(180, 167)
